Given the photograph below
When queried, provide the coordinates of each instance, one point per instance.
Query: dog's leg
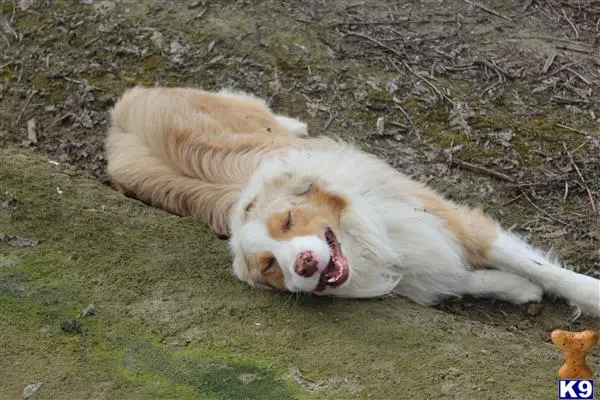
(486, 244)
(510, 253)
(294, 126)
(135, 169)
(501, 285)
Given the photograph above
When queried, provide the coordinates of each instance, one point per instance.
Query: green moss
(40, 79)
(173, 322)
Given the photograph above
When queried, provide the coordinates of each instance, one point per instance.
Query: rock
(459, 116)
(17, 241)
(10, 203)
(72, 326)
(30, 389)
(534, 309)
(87, 311)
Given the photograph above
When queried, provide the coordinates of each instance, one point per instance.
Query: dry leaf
(31, 131)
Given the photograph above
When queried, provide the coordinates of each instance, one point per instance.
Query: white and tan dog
(314, 215)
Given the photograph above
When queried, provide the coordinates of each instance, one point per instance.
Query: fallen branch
(489, 10)
(31, 94)
(482, 170)
(572, 129)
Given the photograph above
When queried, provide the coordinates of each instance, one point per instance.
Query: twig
(31, 94)
(572, 129)
(408, 118)
(401, 55)
(493, 66)
(571, 48)
(544, 212)
(332, 116)
(66, 78)
(506, 203)
(529, 184)
(562, 68)
(557, 39)
(91, 41)
(377, 42)
(549, 62)
(579, 147)
(566, 192)
(437, 91)
(571, 23)
(525, 6)
(489, 10)
(482, 170)
(577, 74)
(587, 188)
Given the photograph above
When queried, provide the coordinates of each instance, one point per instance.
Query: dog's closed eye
(287, 225)
(269, 264)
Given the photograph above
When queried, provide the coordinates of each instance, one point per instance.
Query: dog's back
(190, 151)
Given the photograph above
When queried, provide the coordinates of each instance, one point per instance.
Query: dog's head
(286, 234)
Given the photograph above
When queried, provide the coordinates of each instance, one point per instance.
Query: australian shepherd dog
(316, 215)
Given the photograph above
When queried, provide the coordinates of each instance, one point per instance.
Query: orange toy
(574, 346)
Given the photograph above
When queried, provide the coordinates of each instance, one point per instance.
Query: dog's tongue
(335, 272)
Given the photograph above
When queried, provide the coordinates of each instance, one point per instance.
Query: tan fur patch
(474, 230)
(326, 211)
(263, 273)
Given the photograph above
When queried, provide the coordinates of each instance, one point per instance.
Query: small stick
(571, 48)
(587, 188)
(572, 129)
(427, 81)
(577, 74)
(544, 212)
(506, 203)
(549, 62)
(579, 147)
(489, 10)
(483, 170)
(396, 52)
(409, 119)
(525, 6)
(332, 116)
(33, 92)
(377, 42)
(571, 23)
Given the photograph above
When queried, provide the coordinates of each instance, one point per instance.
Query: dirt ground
(494, 103)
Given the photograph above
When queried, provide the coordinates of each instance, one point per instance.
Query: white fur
(253, 238)
(512, 254)
(295, 127)
(394, 246)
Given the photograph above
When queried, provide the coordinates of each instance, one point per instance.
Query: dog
(316, 215)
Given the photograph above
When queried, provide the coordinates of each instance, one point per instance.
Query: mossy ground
(172, 322)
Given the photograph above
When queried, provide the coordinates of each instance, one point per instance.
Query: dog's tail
(510, 253)
(136, 170)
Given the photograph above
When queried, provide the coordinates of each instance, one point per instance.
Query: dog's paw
(294, 126)
(530, 293)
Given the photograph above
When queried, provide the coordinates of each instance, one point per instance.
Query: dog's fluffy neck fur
(373, 231)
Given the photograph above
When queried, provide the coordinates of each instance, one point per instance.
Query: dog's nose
(306, 264)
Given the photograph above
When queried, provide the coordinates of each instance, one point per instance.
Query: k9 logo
(575, 389)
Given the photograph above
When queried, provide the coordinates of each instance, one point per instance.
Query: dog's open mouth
(337, 270)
